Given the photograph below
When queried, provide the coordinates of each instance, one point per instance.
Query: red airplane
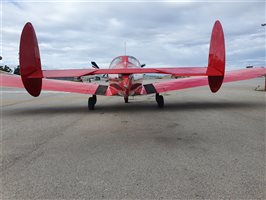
(125, 73)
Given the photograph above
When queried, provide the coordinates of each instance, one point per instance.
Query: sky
(71, 34)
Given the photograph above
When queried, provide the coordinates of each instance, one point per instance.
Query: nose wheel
(91, 102)
(159, 100)
(126, 99)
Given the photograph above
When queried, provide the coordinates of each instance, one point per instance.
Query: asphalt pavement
(199, 146)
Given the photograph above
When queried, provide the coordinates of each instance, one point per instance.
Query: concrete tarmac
(200, 146)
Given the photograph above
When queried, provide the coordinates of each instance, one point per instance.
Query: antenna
(125, 48)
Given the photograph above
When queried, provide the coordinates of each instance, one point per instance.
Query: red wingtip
(216, 63)
(29, 60)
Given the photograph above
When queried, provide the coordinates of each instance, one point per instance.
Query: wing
(184, 83)
(7, 80)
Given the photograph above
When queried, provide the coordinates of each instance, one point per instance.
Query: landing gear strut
(126, 99)
(91, 102)
(159, 100)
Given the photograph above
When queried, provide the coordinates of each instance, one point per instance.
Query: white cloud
(165, 33)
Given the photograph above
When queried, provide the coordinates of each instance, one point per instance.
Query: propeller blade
(94, 65)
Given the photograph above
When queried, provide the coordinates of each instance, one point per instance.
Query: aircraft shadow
(177, 106)
(131, 107)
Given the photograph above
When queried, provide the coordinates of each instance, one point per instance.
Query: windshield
(134, 61)
(120, 60)
(115, 62)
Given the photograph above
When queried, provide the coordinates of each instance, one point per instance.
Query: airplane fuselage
(125, 84)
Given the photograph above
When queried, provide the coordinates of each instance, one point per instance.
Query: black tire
(160, 101)
(95, 99)
(126, 99)
(91, 103)
(157, 97)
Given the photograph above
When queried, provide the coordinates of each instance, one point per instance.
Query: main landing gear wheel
(160, 100)
(91, 102)
(126, 99)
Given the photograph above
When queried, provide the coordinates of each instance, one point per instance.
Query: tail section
(29, 60)
(216, 63)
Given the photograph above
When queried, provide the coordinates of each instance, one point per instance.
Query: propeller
(94, 65)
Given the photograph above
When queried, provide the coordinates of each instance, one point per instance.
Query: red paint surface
(180, 71)
(7, 80)
(184, 83)
(51, 85)
(29, 60)
(216, 62)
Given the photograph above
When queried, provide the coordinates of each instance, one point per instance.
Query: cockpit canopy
(124, 61)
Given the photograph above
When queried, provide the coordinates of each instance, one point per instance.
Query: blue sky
(158, 33)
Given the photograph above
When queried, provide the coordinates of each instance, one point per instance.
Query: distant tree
(6, 69)
(17, 70)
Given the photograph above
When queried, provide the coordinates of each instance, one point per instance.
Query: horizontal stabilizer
(180, 71)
